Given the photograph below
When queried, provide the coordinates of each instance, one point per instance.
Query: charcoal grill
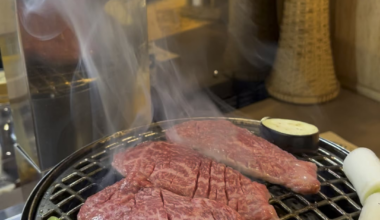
(66, 187)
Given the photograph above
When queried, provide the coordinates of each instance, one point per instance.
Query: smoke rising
(111, 38)
(113, 52)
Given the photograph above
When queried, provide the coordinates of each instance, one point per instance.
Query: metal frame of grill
(66, 187)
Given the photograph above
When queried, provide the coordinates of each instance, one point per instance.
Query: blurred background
(311, 60)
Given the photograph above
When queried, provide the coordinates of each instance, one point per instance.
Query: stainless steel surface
(14, 66)
(19, 195)
(65, 188)
(16, 217)
(13, 212)
(7, 141)
(54, 100)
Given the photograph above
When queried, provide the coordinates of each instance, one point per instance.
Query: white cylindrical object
(362, 167)
(371, 209)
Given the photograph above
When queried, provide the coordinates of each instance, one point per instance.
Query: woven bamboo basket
(303, 71)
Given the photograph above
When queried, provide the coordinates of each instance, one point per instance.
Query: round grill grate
(62, 192)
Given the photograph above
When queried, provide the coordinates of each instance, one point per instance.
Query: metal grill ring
(62, 192)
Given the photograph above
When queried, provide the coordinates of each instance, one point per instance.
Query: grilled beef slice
(187, 173)
(246, 152)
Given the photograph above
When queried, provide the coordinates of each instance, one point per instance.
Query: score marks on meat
(185, 172)
(120, 202)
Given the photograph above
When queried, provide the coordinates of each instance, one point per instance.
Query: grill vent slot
(294, 203)
(70, 179)
(329, 191)
(330, 211)
(310, 215)
(91, 169)
(327, 175)
(314, 198)
(281, 211)
(89, 191)
(81, 184)
(346, 206)
(82, 164)
(342, 186)
(59, 197)
(70, 204)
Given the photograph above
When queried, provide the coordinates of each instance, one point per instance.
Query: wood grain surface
(356, 45)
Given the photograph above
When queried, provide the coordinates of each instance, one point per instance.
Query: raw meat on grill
(180, 207)
(123, 202)
(248, 153)
(185, 172)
